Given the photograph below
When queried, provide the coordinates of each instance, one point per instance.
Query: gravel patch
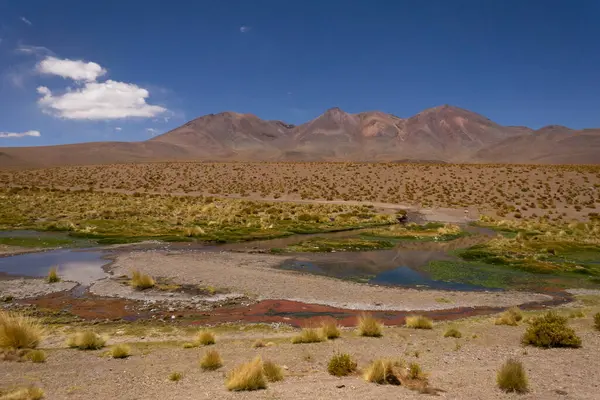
(24, 288)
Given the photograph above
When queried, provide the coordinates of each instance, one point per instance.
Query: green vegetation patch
(431, 231)
(35, 242)
(318, 244)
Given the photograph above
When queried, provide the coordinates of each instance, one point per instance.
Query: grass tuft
(330, 330)
(551, 330)
(86, 340)
(419, 322)
(381, 372)
(511, 377)
(308, 335)
(453, 332)
(120, 351)
(19, 332)
(258, 344)
(272, 371)
(506, 318)
(205, 338)
(368, 326)
(53, 275)
(341, 364)
(36, 356)
(141, 281)
(597, 321)
(211, 361)
(32, 393)
(248, 376)
(175, 376)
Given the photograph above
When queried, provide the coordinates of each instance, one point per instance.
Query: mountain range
(443, 134)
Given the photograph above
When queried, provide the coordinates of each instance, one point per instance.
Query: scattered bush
(341, 364)
(453, 332)
(308, 335)
(141, 281)
(211, 361)
(330, 330)
(369, 326)
(597, 321)
(551, 330)
(272, 371)
(511, 377)
(120, 351)
(205, 338)
(248, 376)
(577, 314)
(86, 340)
(175, 376)
(53, 275)
(32, 393)
(381, 372)
(19, 332)
(419, 322)
(36, 356)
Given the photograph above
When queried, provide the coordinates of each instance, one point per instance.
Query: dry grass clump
(19, 332)
(369, 326)
(258, 344)
(453, 332)
(205, 338)
(86, 340)
(341, 364)
(211, 361)
(597, 321)
(120, 351)
(512, 377)
(36, 356)
(272, 371)
(141, 281)
(175, 376)
(248, 376)
(53, 275)
(510, 317)
(551, 330)
(308, 335)
(32, 393)
(330, 330)
(381, 372)
(419, 322)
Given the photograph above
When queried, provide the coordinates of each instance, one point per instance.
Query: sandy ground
(23, 288)
(464, 368)
(255, 276)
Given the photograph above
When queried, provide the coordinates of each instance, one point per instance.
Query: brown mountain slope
(444, 133)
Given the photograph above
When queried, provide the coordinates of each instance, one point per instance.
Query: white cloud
(118, 129)
(28, 22)
(99, 100)
(245, 28)
(152, 131)
(14, 135)
(72, 69)
(33, 50)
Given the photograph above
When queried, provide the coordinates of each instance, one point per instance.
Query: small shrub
(211, 361)
(369, 326)
(272, 371)
(419, 322)
(189, 345)
(19, 332)
(258, 344)
(551, 330)
(308, 335)
(120, 351)
(248, 376)
(453, 332)
(206, 338)
(32, 393)
(86, 340)
(381, 372)
(577, 314)
(341, 364)
(36, 356)
(516, 313)
(597, 321)
(175, 376)
(330, 330)
(415, 372)
(141, 281)
(511, 377)
(53, 275)
(506, 318)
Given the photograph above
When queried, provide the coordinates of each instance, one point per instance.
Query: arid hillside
(443, 134)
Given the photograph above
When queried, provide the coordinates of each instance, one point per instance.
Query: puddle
(80, 266)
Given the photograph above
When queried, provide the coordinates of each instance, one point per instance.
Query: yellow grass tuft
(53, 275)
(516, 313)
(211, 361)
(341, 364)
(120, 351)
(36, 356)
(512, 377)
(419, 322)
(248, 376)
(381, 372)
(258, 344)
(272, 371)
(453, 332)
(205, 338)
(175, 376)
(308, 335)
(330, 329)
(32, 393)
(19, 332)
(369, 326)
(141, 281)
(86, 340)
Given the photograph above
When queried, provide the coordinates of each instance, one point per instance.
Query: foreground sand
(464, 368)
(255, 276)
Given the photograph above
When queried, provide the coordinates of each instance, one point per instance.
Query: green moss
(33, 242)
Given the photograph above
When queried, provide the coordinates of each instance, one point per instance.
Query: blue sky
(76, 71)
